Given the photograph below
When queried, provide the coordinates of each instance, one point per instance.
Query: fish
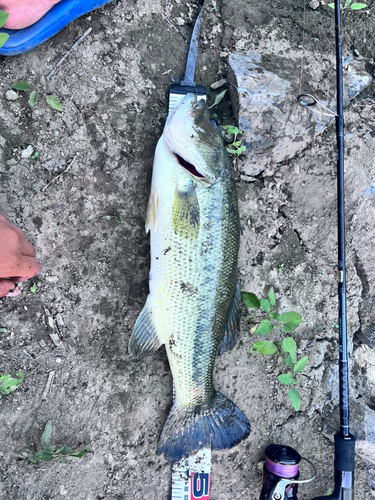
(194, 299)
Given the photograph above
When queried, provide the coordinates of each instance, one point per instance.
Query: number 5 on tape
(191, 477)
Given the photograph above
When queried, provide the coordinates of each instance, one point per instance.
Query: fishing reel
(281, 473)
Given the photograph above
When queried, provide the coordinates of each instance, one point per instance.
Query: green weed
(48, 452)
(236, 148)
(51, 100)
(3, 19)
(286, 322)
(9, 384)
(349, 5)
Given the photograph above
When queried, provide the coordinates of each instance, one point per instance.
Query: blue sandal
(52, 22)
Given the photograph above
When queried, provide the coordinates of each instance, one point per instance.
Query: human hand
(17, 258)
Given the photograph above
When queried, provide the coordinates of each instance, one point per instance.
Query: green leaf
(250, 300)
(54, 102)
(288, 361)
(46, 436)
(285, 378)
(240, 150)
(63, 461)
(80, 453)
(23, 454)
(44, 455)
(265, 305)
(3, 330)
(3, 17)
(300, 365)
(9, 384)
(290, 346)
(295, 398)
(358, 6)
(273, 315)
(264, 347)
(272, 298)
(328, 492)
(3, 38)
(264, 328)
(231, 129)
(20, 85)
(332, 5)
(347, 3)
(290, 321)
(295, 381)
(232, 151)
(65, 450)
(219, 98)
(277, 344)
(33, 98)
(31, 459)
(34, 288)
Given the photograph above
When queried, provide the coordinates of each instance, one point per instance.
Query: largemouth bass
(193, 304)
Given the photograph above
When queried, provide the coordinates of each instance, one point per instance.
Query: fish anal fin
(152, 211)
(144, 339)
(185, 212)
(232, 329)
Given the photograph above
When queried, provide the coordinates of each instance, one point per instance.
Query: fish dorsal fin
(232, 330)
(185, 212)
(152, 211)
(143, 339)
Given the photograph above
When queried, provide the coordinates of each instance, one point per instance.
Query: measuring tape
(191, 477)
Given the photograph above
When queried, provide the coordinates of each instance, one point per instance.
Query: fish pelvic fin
(219, 425)
(143, 340)
(152, 211)
(185, 212)
(232, 330)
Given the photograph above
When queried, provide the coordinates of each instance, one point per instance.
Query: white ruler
(191, 477)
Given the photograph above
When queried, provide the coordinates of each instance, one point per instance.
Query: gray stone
(11, 95)
(275, 128)
(52, 279)
(26, 153)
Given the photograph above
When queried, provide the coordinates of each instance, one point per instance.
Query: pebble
(52, 279)
(11, 95)
(26, 153)
(218, 84)
(58, 360)
(59, 320)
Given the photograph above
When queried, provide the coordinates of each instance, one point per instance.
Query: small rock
(356, 53)
(58, 361)
(59, 320)
(314, 4)
(42, 343)
(218, 84)
(52, 279)
(26, 153)
(11, 95)
(63, 491)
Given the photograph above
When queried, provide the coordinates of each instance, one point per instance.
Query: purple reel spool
(282, 462)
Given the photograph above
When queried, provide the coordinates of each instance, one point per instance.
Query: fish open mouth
(188, 166)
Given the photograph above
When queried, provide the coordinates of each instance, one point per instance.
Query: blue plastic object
(61, 14)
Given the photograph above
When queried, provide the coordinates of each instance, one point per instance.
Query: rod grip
(344, 453)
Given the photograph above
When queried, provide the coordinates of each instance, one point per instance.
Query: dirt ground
(94, 276)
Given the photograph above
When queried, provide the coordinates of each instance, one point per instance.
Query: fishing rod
(280, 476)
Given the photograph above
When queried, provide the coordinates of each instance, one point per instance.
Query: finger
(15, 292)
(27, 249)
(6, 287)
(12, 226)
(26, 268)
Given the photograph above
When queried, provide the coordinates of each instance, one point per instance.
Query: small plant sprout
(48, 452)
(9, 384)
(35, 155)
(34, 287)
(235, 148)
(219, 98)
(51, 100)
(349, 5)
(270, 320)
(3, 19)
(281, 267)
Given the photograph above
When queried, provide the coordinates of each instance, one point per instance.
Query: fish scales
(194, 224)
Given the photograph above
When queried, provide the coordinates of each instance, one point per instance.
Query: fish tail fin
(218, 425)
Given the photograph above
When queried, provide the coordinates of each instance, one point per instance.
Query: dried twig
(48, 385)
(62, 173)
(50, 74)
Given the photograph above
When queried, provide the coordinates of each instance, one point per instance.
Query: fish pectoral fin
(232, 329)
(144, 339)
(152, 211)
(185, 212)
